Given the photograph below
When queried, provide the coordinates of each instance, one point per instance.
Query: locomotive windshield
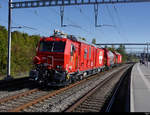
(52, 46)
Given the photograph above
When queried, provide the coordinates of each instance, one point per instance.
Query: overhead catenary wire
(83, 29)
(120, 22)
(67, 18)
(38, 30)
(18, 27)
(47, 21)
(27, 27)
(54, 23)
(58, 14)
(91, 24)
(118, 28)
(73, 23)
(83, 14)
(113, 21)
(87, 18)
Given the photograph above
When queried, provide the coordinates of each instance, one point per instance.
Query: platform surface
(140, 88)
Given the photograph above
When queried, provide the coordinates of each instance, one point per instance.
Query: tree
(82, 38)
(23, 50)
(3, 49)
(121, 50)
(93, 41)
(112, 48)
(105, 46)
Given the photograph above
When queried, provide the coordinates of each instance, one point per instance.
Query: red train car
(118, 57)
(62, 59)
(109, 58)
(100, 59)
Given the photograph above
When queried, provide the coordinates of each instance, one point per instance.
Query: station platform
(140, 88)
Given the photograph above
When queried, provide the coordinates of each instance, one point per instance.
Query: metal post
(96, 15)
(62, 15)
(9, 41)
(147, 53)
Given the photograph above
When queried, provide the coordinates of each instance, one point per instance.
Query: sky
(131, 21)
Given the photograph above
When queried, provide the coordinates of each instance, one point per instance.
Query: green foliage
(121, 50)
(105, 46)
(93, 41)
(23, 50)
(82, 38)
(111, 48)
(132, 58)
(3, 49)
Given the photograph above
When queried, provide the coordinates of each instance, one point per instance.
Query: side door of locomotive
(74, 56)
(83, 57)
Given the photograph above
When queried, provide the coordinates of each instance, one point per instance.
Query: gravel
(61, 101)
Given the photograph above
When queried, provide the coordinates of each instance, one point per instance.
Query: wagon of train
(61, 59)
(118, 58)
(109, 58)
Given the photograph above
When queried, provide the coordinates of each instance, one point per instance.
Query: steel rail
(6, 99)
(44, 97)
(89, 93)
(40, 99)
(112, 100)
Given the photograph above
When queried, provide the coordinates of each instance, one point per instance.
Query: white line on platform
(131, 91)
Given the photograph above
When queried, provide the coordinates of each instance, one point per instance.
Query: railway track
(119, 101)
(8, 103)
(50, 100)
(93, 100)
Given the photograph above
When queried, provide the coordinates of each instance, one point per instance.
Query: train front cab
(55, 58)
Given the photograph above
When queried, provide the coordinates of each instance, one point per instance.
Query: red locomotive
(62, 59)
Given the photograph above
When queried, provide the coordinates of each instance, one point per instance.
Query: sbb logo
(100, 58)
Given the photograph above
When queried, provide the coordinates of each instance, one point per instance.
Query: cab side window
(85, 53)
(89, 53)
(72, 49)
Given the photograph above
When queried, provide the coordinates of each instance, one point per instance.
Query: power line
(48, 20)
(57, 13)
(27, 27)
(74, 24)
(88, 19)
(83, 14)
(35, 12)
(120, 22)
(113, 21)
(18, 27)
